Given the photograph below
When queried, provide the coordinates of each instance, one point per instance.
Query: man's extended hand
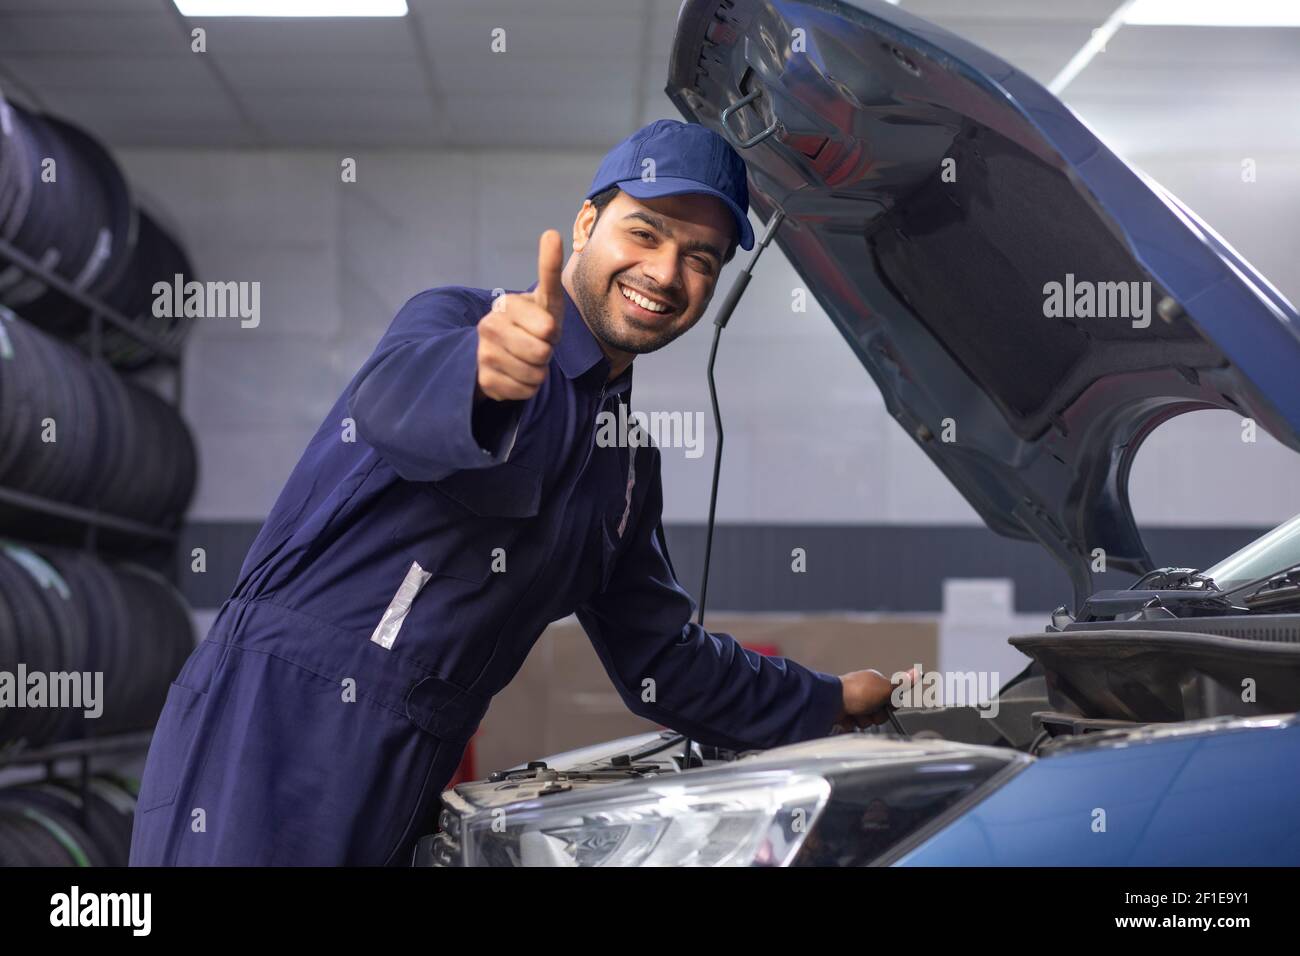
(866, 697)
(517, 335)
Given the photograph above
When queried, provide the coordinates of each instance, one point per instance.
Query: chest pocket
(463, 525)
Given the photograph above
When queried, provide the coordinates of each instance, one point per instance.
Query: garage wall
(808, 441)
(811, 458)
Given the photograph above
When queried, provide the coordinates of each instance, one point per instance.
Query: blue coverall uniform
(418, 550)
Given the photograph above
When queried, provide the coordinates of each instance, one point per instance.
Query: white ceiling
(577, 73)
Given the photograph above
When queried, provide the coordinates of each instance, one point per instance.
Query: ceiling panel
(113, 73)
(553, 38)
(312, 119)
(292, 37)
(531, 76)
(504, 8)
(574, 120)
(165, 118)
(944, 11)
(1036, 47)
(1201, 51)
(256, 75)
(576, 72)
(78, 6)
(155, 34)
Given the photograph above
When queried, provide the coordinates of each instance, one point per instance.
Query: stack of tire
(156, 257)
(66, 611)
(46, 824)
(65, 203)
(73, 431)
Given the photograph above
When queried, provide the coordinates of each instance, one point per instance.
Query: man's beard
(594, 306)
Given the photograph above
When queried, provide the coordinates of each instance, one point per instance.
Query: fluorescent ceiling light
(291, 8)
(1096, 43)
(1215, 13)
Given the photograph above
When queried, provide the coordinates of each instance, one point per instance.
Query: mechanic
(453, 504)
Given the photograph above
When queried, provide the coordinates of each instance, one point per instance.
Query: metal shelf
(89, 517)
(99, 310)
(18, 507)
(84, 749)
(91, 520)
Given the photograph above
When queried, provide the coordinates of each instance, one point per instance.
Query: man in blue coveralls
(454, 502)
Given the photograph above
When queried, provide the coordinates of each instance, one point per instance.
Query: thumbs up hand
(517, 336)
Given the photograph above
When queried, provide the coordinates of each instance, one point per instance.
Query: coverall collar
(578, 352)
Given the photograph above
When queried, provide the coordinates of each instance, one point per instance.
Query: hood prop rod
(719, 323)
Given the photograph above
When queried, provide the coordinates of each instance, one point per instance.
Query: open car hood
(937, 273)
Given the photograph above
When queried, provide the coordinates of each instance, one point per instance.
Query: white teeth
(642, 300)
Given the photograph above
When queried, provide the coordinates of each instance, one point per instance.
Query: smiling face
(646, 272)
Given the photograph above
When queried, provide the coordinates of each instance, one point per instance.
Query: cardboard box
(562, 698)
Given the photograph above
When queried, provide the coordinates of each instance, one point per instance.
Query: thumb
(550, 258)
(904, 681)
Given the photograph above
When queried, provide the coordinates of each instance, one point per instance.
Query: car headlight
(846, 800)
(758, 819)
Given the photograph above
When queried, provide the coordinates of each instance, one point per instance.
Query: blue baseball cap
(688, 158)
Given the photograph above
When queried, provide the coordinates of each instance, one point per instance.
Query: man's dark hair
(603, 199)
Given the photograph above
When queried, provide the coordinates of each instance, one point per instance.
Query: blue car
(995, 268)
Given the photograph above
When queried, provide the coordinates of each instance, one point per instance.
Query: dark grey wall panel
(849, 567)
(899, 567)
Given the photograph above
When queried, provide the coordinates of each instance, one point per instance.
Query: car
(995, 266)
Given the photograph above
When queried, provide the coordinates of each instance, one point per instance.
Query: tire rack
(92, 522)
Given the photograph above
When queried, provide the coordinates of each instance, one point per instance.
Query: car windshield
(1267, 555)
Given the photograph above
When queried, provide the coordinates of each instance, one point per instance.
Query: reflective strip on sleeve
(395, 614)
